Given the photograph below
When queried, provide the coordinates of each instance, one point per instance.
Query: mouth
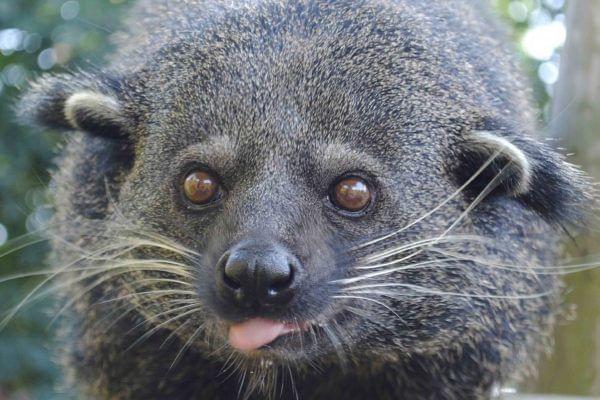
(259, 332)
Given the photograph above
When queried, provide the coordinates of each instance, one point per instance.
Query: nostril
(231, 282)
(226, 276)
(284, 281)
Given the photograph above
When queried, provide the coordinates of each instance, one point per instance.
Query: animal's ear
(492, 161)
(75, 102)
(521, 167)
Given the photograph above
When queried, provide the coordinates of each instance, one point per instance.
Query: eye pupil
(352, 194)
(200, 187)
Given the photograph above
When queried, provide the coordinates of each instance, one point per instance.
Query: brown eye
(200, 187)
(351, 194)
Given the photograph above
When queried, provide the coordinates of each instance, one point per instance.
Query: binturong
(304, 199)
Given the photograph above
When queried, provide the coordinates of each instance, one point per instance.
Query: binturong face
(300, 197)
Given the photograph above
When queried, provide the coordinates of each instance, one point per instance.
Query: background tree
(576, 125)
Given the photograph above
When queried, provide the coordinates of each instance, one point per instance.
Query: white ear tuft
(94, 112)
(508, 154)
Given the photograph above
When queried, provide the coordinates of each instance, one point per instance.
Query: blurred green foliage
(57, 35)
(35, 36)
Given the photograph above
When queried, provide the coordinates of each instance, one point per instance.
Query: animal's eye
(200, 187)
(351, 194)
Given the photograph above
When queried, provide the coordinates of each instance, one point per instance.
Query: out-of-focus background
(558, 40)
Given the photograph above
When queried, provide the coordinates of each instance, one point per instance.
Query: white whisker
(423, 290)
(442, 204)
(388, 271)
(156, 328)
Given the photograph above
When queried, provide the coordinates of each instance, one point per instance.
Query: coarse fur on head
(440, 288)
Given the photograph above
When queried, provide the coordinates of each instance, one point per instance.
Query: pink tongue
(255, 333)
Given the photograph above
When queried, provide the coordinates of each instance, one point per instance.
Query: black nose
(257, 275)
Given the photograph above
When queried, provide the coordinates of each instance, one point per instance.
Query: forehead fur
(300, 70)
